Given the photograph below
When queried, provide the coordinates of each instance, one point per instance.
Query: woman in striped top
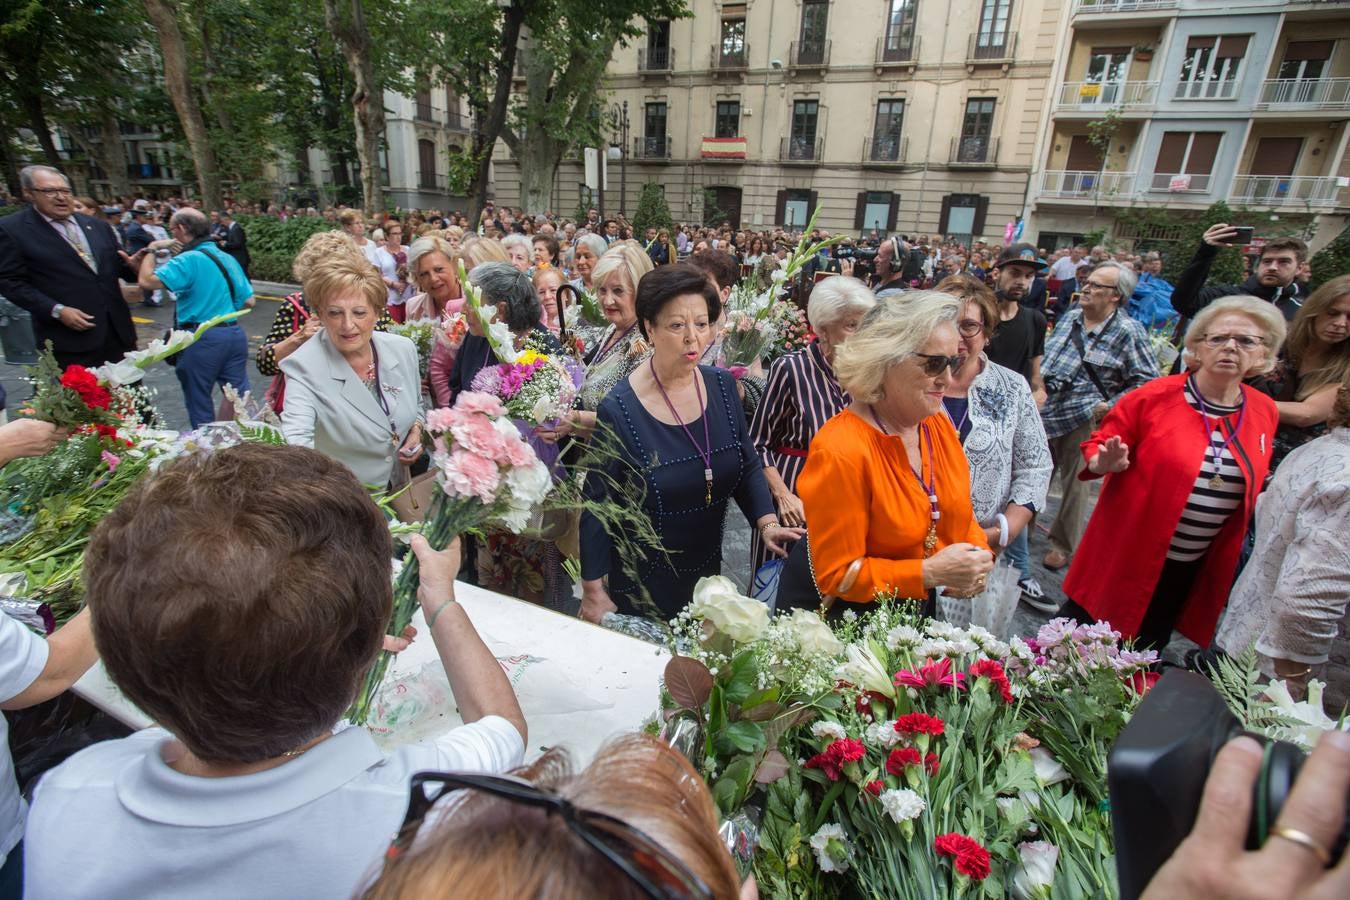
(803, 394)
(1186, 457)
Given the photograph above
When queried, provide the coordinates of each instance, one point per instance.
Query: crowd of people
(903, 450)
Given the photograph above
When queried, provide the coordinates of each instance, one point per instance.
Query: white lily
(1034, 878)
(862, 668)
(1312, 721)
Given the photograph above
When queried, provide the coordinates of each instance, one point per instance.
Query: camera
(864, 259)
(1243, 236)
(1157, 772)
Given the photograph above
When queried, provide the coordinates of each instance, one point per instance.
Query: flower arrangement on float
(897, 756)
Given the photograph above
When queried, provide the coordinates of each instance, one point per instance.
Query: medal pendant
(1216, 481)
(930, 540)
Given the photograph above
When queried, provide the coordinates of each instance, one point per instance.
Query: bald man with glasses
(64, 268)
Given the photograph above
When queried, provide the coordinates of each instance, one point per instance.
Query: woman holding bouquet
(351, 393)
(802, 394)
(679, 425)
(1185, 458)
(886, 486)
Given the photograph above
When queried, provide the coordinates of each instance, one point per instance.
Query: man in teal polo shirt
(208, 283)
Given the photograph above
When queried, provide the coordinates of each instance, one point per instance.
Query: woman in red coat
(1185, 457)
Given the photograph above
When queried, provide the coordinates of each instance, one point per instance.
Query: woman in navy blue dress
(682, 430)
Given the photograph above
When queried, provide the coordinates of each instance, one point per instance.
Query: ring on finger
(1304, 840)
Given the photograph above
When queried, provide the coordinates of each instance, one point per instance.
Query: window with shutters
(731, 49)
(992, 37)
(657, 57)
(426, 162)
(963, 215)
(423, 101)
(802, 143)
(728, 123)
(654, 131)
(876, 212)
(794, 207)
(1209, 71)
(1185, 160)
(899, 42)
(1299, 79)
(815, 18)
(886, 132)
(976, 129)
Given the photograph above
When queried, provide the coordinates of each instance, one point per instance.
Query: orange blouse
(863, 502)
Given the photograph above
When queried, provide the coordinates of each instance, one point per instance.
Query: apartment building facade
(1177, 104)
(899, 115)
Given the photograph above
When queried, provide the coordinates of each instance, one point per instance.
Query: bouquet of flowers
(793, 333)
(485, 472)
(423, 333)
(896, 756)
(536, 388)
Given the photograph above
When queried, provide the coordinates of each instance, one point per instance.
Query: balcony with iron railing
(424, 112)
(1070, 185)
(1283, 191)
(901, 50)
(809, 54)
(1100, 7)
(726, 59)
(984, 50)
(801, 151)
(1179, 183)
(885, 150)
(1206, 89)
(656, 59)
(1304, 94)
(457, 121)
(430, 181)
(652, 147)
(1095, 97)
(973, 152)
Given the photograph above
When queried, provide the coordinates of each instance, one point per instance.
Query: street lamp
(619, 112)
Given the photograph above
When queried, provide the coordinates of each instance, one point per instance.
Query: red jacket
(1116, 567)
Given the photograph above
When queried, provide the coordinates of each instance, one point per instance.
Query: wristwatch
(56, 310)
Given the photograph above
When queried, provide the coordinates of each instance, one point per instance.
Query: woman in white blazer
(353, 393)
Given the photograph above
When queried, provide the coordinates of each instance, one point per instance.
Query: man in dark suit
(63, 267)
(235, 243)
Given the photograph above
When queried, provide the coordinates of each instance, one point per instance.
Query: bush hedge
(272, 243)
(1332, 260)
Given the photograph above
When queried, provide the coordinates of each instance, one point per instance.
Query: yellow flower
(530, 356)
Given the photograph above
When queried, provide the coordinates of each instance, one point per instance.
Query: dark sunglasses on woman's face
(652, 868)
(933, 365)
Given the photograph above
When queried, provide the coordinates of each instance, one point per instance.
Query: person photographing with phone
(1274, 278)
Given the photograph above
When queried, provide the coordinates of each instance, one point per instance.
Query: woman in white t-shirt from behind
(31, 670)
(247, 642)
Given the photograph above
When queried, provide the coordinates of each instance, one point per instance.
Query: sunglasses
(652, 868)
(933, 365)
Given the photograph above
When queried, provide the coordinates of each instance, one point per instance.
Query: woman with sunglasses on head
(886, 485)
(1185, 457)
(637, 822)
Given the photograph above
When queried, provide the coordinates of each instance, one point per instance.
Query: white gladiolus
(719, 602)
(503, 342)
(1312, 721)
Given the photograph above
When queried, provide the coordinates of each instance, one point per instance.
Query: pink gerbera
(930, 674)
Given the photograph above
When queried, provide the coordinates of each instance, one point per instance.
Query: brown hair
(1286, 243)
(238, 597)
(338, 275)
(720, 267)
(486, 846)
(1340, 411)
(1302, 334)
(972, 290)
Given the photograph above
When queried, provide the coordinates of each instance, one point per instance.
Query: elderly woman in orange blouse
(886, 486)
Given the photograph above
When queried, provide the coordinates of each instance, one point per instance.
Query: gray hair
(834, 298)
(592, 242)
(429, 244)
(518, 240)
(28, 182)
(194, 222)
(1126, 278)
(503, 283)
(890, 332)
(1262, 312)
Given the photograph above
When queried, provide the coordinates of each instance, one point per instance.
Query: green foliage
(652, 210)
(1332, 260)
(1100, 131)
(273, 243)
(1227, 268)
(712, 215)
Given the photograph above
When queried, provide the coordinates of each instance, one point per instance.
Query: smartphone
(1243, 236)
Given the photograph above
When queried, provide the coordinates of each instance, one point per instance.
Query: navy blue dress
(690, 530)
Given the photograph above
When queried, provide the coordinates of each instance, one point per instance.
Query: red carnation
(874, 787)
(919, 723)
(900, 758)
(848, 750)
(969, 857)
(82, 382)
(930, 762)
(988, 668)
(825, 762)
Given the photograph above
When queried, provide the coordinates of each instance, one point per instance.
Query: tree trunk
(367, 96)
(112, 156)
(491, 124)
(33, 107)
(163, 16)
(539, 153)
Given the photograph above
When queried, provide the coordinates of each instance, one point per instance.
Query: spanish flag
(724, 148)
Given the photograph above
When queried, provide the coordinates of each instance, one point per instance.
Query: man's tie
(71, 229)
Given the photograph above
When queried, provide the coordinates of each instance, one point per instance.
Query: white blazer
(328, 406)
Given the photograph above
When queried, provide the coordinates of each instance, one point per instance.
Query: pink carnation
(470, 475)
(439, 420)
(476, 433)
(472, 402)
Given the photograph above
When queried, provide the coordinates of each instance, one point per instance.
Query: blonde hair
(892, 330)
(1302, 333)
(430, 243)
(342, 275)
(489, 846)
(834, 298)
(1269, 319)
(351, 215)
(478, 250)
(624, 258)
(320, 246)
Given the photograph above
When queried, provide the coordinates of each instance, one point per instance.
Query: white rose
(813, 635)
(717, 601)
(902, 805)
(1033, 879)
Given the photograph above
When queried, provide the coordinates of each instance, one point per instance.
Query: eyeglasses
(651, 867)
(969, 327)
(1097, 286)
(55, 192)
(933, 365)
(1243, 341)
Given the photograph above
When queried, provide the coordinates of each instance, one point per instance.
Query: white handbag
(992, 609)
